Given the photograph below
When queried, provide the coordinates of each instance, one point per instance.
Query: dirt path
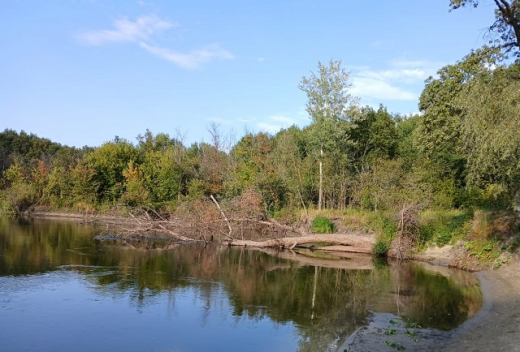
(497, 326)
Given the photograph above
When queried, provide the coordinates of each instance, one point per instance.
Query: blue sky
(83, 71)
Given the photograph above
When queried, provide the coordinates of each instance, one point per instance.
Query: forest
(459, 155)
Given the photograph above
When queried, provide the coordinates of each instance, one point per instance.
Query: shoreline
(495, 327)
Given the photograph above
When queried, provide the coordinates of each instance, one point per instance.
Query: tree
(438, 131)
(329, 106)
(490, 131)
(109, 161)
(506, 25)
(295, 166)
(375, 136)
(254, 167)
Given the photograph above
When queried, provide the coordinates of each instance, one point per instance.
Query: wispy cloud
(141, 32)
(379, 89)
(189, 60)
(399, 82)
(127, 31)
(274, 123)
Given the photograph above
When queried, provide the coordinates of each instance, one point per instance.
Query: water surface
(63, 291)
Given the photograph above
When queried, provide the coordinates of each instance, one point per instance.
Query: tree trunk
(320, 192)
(342, 242)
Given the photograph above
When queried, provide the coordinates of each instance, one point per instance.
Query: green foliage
(256, 165)
(442, 226)
(394, 344)
(490, 131)
(381, 248)
(26, 146)
(375, 135)
(439, 136)
(322, 224)
(109, 161)
(462, 152)
(327, 93)
(333, 112)
(383, 224)
(485, 250)
(136, 193)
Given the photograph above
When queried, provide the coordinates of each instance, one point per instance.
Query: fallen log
(352, 242)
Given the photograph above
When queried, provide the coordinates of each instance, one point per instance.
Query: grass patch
(383, 224)
(322, 224)
(490, 233)
(485, 250)
(443, 226)
(356, 219)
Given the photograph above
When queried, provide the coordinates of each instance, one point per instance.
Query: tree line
(461, 151)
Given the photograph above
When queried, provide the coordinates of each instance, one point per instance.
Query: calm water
(62, 291)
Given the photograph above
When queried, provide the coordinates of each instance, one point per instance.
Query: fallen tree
(352, 242)
(244, 225)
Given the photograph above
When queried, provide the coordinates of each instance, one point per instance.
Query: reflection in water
(198, 298)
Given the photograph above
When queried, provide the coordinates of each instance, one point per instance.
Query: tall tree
(490, 131)
(329, 106)
(506, 25)
(438, 131)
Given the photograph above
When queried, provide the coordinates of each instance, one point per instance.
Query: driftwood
(207, 221)
(354, 243)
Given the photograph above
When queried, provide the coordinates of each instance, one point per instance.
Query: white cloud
(380, 89)
(189, 60)
(127, 31)
(141, 32)
(274, 123)
(268, 127)
(401, 81)
(281, 118)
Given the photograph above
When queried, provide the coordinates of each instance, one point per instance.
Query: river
(61, 290)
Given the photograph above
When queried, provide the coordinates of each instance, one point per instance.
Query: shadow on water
(325, 303)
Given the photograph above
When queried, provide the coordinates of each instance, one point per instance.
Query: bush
(322, 224)
(381, 248)
(383, 224)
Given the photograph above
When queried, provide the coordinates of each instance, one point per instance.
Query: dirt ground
(496, 327)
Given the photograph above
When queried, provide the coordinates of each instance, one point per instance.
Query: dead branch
(407, 233)
(223, 215)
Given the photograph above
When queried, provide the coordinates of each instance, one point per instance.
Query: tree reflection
(325, 304)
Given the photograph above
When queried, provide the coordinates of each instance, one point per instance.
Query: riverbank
(496, 327)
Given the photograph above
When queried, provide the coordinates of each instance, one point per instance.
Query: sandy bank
(496, 327)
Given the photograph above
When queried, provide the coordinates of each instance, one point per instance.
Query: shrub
(322, 224)
(383, 224)
(381, 248)
(442, 226)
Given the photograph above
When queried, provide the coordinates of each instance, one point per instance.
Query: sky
(81, 72)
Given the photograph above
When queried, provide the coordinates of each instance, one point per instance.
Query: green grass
(442, 227)
(322, 224)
